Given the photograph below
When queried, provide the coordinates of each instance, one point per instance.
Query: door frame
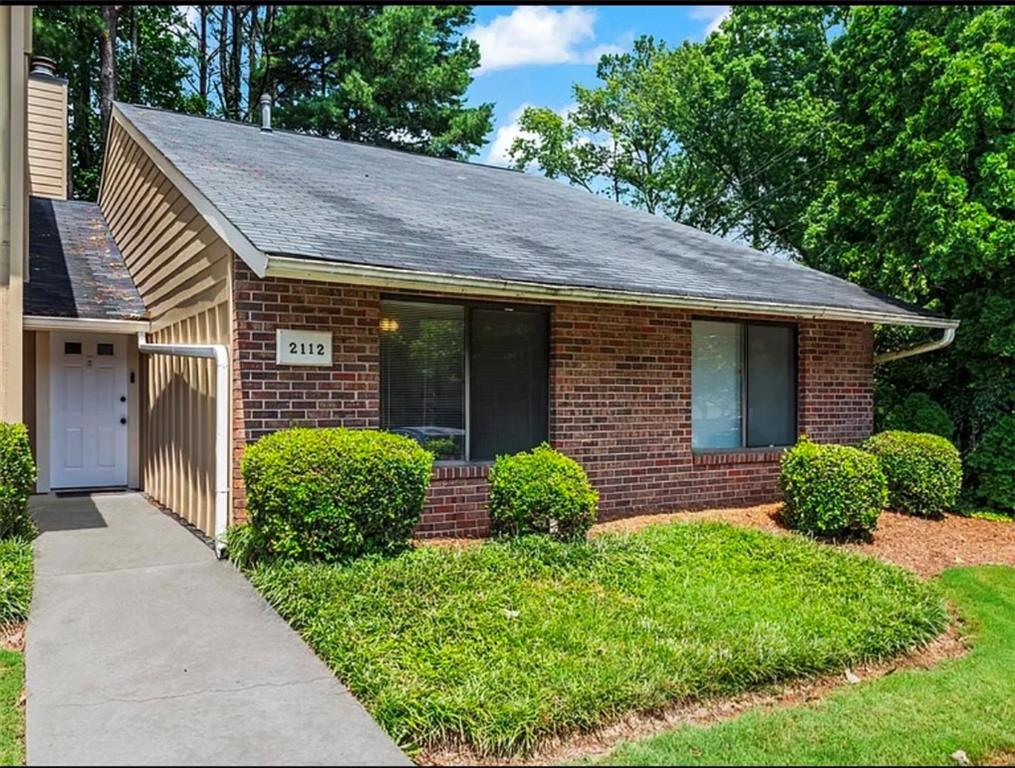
(44, 328)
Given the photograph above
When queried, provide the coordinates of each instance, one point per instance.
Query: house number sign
(302, 347)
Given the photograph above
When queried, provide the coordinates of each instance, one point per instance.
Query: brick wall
(620, 398)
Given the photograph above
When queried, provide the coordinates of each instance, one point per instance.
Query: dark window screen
(508, 381)
(771, 385)
(423, 374)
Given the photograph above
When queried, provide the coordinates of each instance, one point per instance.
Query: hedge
(919, 413)
(541, 491)
(831, 490)
(17, 481)
(924, 471)
(993, 462)
(332, 494)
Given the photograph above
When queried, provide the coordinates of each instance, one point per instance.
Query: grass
(12, 714)
(912, 718)
(501, 645)
(16, 572)
(16, 576)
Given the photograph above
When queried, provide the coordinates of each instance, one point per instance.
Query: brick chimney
(48, 164)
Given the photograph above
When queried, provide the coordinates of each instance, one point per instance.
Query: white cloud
(498, 152)
(538, 34)
(714, 15)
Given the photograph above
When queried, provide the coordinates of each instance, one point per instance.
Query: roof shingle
(75, 268)
(313, 198)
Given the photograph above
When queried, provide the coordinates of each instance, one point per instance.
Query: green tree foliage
(150, 65)
(387, 75)
(875, 143)
(920, 203)
(727, 135)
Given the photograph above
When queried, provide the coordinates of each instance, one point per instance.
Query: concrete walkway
(142, 649)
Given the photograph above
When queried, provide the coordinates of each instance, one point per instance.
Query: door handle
(123, 398)
(123, 419)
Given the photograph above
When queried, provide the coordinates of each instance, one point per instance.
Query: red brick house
(287, 280)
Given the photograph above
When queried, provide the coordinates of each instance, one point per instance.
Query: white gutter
(84, 324)
(387, 277)
(220, 355)
(946, 338)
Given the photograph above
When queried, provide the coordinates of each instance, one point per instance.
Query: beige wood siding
(182, 269)
(47, 137)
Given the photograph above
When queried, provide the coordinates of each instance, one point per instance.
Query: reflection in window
(737, 364)
(467, 382)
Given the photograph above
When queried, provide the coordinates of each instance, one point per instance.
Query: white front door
(88, 410)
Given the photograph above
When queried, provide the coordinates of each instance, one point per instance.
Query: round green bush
(919, 413)
(831, 490)
(924, 471)
(17, 481)
(541, 491)
(993, 462)
(332, 494)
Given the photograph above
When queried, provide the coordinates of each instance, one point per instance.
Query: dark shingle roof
(314, 198)
(75, 268)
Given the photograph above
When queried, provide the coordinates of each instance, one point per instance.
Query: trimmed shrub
(16, 578)
(919, 413)
(17, 480)
(831, 490)
(924, 471)
(993, 461)
(332, 494)
(541, 491)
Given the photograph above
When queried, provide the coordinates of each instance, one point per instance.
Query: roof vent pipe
(265, 113)
(43, 65)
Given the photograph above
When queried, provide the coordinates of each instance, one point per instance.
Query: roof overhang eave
(400, 279)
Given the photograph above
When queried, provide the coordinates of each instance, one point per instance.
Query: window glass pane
(508, 381)
(771, 385)
(72, 347)
(423, 374)
(716, 384)
(104, 348)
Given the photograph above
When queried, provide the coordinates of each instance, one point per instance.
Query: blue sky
(531, 55)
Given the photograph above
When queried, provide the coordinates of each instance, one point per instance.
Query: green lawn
(12, 715)
(916, 717)
(16, 572)
(502, 644)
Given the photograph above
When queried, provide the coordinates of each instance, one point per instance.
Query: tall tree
(148, 66)
(921, 200)
(727, 135)
(389, 75)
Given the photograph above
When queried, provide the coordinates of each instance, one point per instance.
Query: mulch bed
(924, 546)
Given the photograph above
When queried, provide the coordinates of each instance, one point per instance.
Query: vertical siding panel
(182, 271)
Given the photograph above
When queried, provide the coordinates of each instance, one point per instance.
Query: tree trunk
(107, 63)
(202, 56)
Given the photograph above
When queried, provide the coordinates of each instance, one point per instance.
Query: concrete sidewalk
(142, 649)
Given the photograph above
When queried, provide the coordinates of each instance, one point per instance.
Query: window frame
(744, 379)
(467, 306)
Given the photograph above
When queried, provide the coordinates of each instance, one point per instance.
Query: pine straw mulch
(13, 638)
(921, 545)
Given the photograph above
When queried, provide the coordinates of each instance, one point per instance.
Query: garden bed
(921, 545)
(16, 578)
(498, 647)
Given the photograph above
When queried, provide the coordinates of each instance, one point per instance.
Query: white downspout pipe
(947, 337)
(220, 355)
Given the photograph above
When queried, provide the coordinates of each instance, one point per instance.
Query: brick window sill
(460, 470)
(740, 456)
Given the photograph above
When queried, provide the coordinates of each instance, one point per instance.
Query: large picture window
(743, 385)
(467, 381)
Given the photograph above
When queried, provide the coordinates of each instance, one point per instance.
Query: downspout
(947, 337)
(220, 355)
